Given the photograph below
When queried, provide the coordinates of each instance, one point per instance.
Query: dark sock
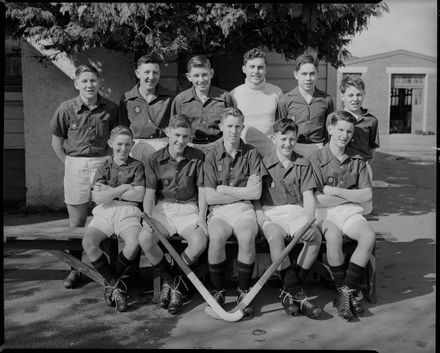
(302, 273)
(338, 273)
(101, 265)
(290, 280)
(77, 254)
(354, 274)
(121, 263)
(217, 274)
(163, 268)
(244, 275)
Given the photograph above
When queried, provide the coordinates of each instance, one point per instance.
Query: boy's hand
(100, 187)
(253, 180)
(331, 190)
(220, 189)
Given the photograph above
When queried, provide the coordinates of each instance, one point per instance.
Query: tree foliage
(188, 28)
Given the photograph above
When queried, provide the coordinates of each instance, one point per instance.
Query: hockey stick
(221, 313)
(216, 310)
(266, 275)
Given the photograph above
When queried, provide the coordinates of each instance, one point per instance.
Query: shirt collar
(160, 91)
(271, 159)
(166, 153)
(220, 150)
(79, 103)
(295, 92)
(328, 155)
(125, 163)
(213, 93)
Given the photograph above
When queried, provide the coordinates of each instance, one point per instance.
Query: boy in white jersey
(257, 99)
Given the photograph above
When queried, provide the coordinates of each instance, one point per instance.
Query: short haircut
(148, 59)
(284, 125)
(235, 112)
(86, 68)
(179, 120)
(342, 115)
(253, 54)
(305, 59)
(351, 80)
(120, 130)
(198, 61)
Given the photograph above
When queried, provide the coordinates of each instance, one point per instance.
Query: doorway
(405, 101)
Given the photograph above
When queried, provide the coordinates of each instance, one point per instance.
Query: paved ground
(39, 313)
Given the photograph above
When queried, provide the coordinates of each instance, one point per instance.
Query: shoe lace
(74, 273)
(219, 295)
(175, 290)
(119, 288)
(347, 295)
(303, 300)
(241, 294)
(284, 295)
(166, 288)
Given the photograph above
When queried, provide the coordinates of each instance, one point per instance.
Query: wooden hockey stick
(221, 313)
(266, 275)
(217, 310)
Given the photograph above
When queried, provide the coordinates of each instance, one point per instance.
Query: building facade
(401, 90)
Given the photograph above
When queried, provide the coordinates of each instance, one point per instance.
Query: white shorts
(256, 138)
(115, 217)
(307, 149)
(233, 212)
(289, 217)
(143, 148)
(175, 217)
(343, 216)
(78, 178)
(368, 206)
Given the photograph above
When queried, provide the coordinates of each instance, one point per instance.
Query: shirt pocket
(351, 181)
(102, 126)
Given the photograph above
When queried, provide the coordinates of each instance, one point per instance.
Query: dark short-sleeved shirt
(282, 186)
(205, 117)
(146, 119)
(129, 172)
(352, 173)
(366, 134)
(310, 118)
(175, 181)
(85, 132)
(221, 169)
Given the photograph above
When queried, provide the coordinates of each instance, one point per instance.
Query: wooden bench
(55, 240)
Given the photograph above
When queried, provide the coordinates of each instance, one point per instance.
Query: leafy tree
(188, 28)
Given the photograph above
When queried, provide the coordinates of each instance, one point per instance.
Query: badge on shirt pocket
(166, 182)
(219, 167)
(137, 110)
(272, 185)
(332, 181)
(73, 126)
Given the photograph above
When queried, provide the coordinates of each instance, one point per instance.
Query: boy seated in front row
(118, 188)
(174, 178)
(366, 130)
(343, 183)
(232, 180)
(286, 203)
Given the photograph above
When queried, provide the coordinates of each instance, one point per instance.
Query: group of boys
(207, 165)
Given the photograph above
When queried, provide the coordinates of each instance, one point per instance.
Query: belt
(132, 202)
(157, 134)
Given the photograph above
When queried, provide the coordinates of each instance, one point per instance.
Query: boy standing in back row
(258, 100)
(202, 103)
(80, 129)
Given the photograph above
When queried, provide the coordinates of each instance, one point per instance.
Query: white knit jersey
(258, 104)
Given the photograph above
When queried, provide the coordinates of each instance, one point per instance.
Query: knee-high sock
(354, 274)
(244, 275)
(102, 266)
(217, 274)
